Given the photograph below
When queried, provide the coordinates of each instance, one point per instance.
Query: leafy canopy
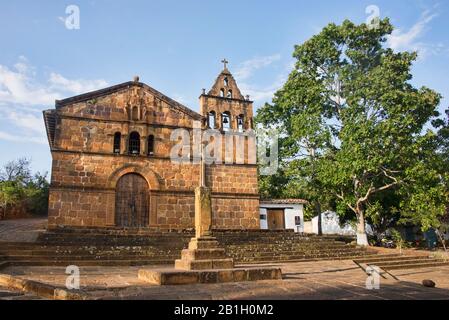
(350, 101)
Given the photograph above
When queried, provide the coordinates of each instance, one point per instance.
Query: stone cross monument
(204, 251)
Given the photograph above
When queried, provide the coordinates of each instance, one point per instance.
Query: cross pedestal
(204, 251)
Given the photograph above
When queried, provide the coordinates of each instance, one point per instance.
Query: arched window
(211, 120)
(222, 93)
(226, 82)
(229, 94)
(134, 143)
(117, 140)
(240, 123)
(226, 121)
(135, 114)
(150, 145)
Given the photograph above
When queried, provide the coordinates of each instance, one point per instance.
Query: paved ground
(307, 280)
(341, 280)
(10, 294)
(22, 230)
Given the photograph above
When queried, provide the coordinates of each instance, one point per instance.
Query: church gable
(225, 85)
(112, 119)
(130, 101)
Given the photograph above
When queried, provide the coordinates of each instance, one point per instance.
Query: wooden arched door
(131, 201)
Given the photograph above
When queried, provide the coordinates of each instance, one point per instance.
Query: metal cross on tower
(225, 62)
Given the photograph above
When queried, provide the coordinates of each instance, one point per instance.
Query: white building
(281, 214)
(330, 224)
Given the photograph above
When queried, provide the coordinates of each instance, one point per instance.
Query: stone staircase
(91, 247)
(11, 294)
(398, 261)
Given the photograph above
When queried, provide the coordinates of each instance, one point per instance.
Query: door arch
(132, 201)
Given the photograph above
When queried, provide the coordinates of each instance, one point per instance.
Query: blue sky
(176, 47)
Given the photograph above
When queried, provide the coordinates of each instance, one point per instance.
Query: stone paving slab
(324, 280)
(22, 230)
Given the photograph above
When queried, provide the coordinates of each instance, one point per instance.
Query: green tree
(425, 199)
(19, 186)
(10, 194)
(16, 170)
(350, 107)
(36, 193)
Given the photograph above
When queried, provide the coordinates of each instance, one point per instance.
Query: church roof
(283, 201)
(125, 85)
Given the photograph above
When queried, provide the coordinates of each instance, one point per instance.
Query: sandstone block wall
(85, 170)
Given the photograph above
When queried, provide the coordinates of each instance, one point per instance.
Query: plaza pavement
(324, 280)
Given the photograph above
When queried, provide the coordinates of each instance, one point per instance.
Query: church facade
(112, 167)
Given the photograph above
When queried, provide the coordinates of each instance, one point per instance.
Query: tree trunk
(442, 240)
(3, 215)
(362, 238)
(320, 223)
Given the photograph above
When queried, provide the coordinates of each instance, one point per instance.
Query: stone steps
(11, 294)
(389, 257)
(151, 250)
(110, 251)
(290, 248)
(398, 261)
(257, 255)
(403, 262)
(111, 263)
(85, 257)
(124, 247)
(302, 259)
(420, 265)
(147, 254)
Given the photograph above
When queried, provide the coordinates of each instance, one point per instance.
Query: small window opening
(150, 145)
(226, 121)
(240, 123)
(211, 120)
(117, 140)
(134, 143)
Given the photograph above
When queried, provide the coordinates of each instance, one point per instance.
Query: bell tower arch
(226, 104)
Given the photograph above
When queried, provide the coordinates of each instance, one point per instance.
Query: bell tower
(224, 106)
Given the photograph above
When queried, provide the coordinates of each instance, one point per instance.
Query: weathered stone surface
(203, 243)
(177, 277)
(40, 289)
(198, 254)
(203, 212)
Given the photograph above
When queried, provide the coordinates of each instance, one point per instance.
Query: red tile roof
(283, 201)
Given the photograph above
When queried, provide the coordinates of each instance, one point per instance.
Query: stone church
(111, 159)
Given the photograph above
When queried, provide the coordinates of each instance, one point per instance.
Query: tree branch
(341, 197)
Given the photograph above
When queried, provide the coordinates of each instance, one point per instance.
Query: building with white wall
(282, 214)
(330, 224)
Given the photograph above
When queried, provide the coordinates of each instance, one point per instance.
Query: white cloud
(262, 93)
(23, 96)
(27, 121)
(248, 67)
(410, 40)
(58, 82)
(18, 138)
(20, 85)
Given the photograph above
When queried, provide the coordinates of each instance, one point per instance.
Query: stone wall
(83, 191)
